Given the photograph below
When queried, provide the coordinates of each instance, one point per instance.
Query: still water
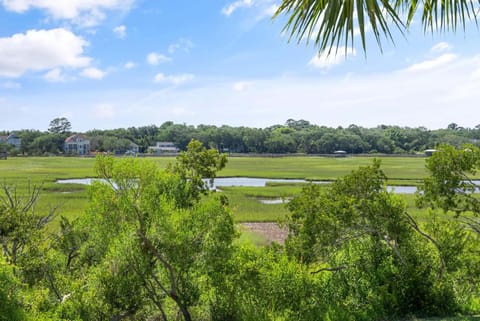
(251, 182)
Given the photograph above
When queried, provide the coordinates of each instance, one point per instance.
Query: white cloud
(259, 9)
(366, 29)
(130, 65)
(38, 50)
(54, 75)
(232, 7)
(82, 12)
(173, 79)
(476, 73)
(10, 85)
(120, 31)
(182, 44)
(432, 63)
(154, 58)
(104, 111)
(324, 60)
(90, 20)
(181, 112)
(93, 73)
(428, 99)
(241, 85)
(441, 47)
(431, 99)
(270, 10)
(476, 69)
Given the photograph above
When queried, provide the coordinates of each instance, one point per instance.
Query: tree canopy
(156, 244)
(295, 136)
(60, 126)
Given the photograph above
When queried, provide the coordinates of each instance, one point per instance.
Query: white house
(12, 139)
(132, 149)
(77, 144)
(163, 148)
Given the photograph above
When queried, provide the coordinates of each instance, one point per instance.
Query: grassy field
(71, 198)
(246, 205)
(321, 168)
(317, 168)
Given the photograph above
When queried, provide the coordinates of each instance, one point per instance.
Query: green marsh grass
(313, 168)
(251, 237)
(321, 168)
(249, 209)
(72, 198)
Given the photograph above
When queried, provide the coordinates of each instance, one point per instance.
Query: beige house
(77, 144)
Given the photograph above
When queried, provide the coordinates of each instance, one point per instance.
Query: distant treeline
(295, 136)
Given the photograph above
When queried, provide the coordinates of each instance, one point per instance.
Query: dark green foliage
(264, 284)
(451, 189)
(461, 252)
(194, 165)
(156, 244)
(150, 231)
(48, 144)
(296, 136)
(60, 126)
(450, 185)
(374, 258)
(20, 224)
(10, 306)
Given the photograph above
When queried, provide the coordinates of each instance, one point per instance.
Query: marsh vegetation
(353, 250)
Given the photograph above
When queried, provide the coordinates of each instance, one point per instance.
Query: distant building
(340, 153)
(163, 148)
(429, 152)
(133, 149)
(12, 139)
(77, 144)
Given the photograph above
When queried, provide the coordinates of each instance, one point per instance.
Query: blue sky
(122, 63)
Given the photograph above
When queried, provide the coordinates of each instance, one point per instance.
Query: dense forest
(295, 136)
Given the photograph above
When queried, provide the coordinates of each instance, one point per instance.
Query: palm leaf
(329, 23)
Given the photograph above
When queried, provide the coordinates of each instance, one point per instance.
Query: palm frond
(330, 23)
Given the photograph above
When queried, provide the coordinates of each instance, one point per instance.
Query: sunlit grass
(321, 168)
(71, 199)
(247, 208)
(251, 237)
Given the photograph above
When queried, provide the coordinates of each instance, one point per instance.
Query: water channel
(251, 182)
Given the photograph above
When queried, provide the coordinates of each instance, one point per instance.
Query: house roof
(76, 138)
(165, 144)
(12, 136)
